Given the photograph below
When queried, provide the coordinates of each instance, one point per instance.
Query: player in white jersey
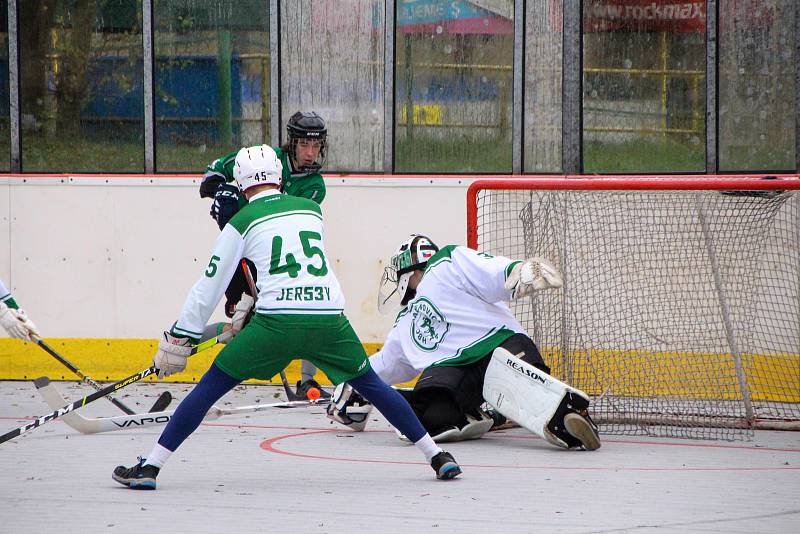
(298, 310)
(15, 321)
(452, 325)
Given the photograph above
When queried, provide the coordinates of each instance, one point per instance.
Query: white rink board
(114, 256)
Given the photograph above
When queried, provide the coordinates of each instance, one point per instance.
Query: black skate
(583, 428)
(445, 466)
(303, 387)
(140, 476)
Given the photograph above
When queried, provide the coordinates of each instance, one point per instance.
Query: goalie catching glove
(172, 354)
(17, 324)
(532, 275)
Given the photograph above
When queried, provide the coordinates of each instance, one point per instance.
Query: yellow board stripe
(774, 377)
(113, 360)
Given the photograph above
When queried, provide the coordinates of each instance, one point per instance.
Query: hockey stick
(144, 373)
(161, 403)
(290, 395)
(88, 425)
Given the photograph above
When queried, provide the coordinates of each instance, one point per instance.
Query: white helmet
(412, 255)
(257, 165)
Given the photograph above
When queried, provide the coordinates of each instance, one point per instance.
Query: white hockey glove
(172, 354)
(532, 275)
(349, 408)
(17, 324)
(241, 313)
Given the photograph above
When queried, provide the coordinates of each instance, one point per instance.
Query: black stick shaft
(78, 404)
(69, 365)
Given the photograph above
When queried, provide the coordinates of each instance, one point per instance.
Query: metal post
(388, 86)
(224, 58)
(274, 72)
(572, 99)
(796, 88)
(712, 158)
(517, 109)
(13, 88)
(148, 61)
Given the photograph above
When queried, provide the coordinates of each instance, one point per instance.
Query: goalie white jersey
(457, 316)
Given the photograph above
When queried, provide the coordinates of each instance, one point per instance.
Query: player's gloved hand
(241, 313)
(210, 183)
(172, 354)
(532, 275)
(17, 323)
(226, 204)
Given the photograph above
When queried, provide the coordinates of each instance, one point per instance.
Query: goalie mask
(412, 255)
(308, 141)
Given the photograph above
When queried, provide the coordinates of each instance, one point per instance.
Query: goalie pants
(445, 394)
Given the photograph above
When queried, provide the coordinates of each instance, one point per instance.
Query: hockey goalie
(454, 327)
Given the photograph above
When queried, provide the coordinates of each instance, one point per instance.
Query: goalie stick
(111, 388)
(89, 425)
(161, 403)
(290, 395)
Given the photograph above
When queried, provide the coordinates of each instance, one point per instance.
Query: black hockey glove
(210, 183)
(226, 204)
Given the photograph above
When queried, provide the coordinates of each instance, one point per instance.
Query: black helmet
(307, 125)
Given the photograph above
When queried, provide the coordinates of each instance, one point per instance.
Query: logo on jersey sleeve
(428, 325)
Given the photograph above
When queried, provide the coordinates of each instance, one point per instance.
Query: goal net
(680, 311)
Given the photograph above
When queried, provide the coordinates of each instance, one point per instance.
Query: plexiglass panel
(757, 85)
(211, 79)
(542, 119)
(332, 63)
(81, 86)
(5, 131)
(644, 86)
(453, 86)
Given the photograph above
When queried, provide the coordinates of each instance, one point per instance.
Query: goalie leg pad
(349, 408)
(537, 401)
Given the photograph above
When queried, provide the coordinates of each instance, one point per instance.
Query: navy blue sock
(190, 412)
(390, 403)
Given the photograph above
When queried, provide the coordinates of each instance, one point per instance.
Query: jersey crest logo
(428, 325)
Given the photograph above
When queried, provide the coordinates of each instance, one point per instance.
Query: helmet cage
(412, 255)
(308, 125)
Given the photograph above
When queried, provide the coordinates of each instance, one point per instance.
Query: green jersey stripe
(274, 216)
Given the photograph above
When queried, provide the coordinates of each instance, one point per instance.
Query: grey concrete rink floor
(292, 470)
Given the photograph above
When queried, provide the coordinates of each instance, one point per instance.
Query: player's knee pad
(349, 408)
(538, 402)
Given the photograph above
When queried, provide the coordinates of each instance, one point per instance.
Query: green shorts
(269, 342)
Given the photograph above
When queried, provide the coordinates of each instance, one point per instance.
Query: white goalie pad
(532, 398)
(349, 408)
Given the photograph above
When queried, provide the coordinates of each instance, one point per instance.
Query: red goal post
(680, 313)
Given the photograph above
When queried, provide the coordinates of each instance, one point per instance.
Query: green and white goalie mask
(412, 255)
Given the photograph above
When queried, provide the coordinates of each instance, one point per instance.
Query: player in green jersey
(299, 309)
(302, 157)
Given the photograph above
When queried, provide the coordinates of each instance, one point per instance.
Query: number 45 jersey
(283, 236)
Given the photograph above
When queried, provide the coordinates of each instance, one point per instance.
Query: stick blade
(161, 402)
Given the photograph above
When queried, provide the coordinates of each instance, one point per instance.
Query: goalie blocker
(538, 402)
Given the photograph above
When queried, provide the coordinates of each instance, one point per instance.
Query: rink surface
(291, 470)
